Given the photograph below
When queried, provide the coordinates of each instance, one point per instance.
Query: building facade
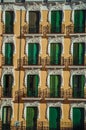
(42, 65)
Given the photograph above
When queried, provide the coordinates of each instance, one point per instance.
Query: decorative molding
(8, 71)
(9, 7)
(79, 6)
(77, 40)
(77, 105)
(34, 104)
(57, 104)
(32, 72)
(34, 7)
(55, 40)
(56, 6)
(6, 102)
(55, 72)
(33, 40)
(8, 39)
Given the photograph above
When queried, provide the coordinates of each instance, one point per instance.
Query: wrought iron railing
(57, 30)
(7, 62)
(6, 94)
(31, 30)
(48, 61)
(71, 29)
(8, 30)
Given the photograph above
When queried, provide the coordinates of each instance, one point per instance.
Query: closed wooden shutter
(78, 118)
(31, 118)
(56, 21)
(33, 53)
(78, 53)
(79, 21)
(9, 54)
(6, 117)
(7, 85)
(32, 85)
(55, 85)
(54, 118)
(9, 20)
(78, 86)
(34, 18)
(55, 53)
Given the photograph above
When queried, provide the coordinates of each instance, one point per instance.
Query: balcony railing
(54, 63)
(68, 62)
(73, 30)
(7, 30)
(26, 30)
(24, 63)
(57, 30)
(5, 94)
(7, 62)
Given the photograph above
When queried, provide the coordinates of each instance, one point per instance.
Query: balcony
(54, 65)
(60, 32)
(69, 94)
(7, 62)
(68, 62)
(6, 94)
(23, 63)
(6, 31)
(70, 30)
(49, 96)
(31, 31)
(22, 96)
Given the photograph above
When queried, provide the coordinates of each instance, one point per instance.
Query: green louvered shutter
(55, 53)
(33, 53)
(81, 53)
(75, 53)
(56, 21)
(9, 54)
(6, 117)
(7, 87)
(31, 118)
(78, 118)
(82, 85)
(75, 86)
(32, 85)
(79, 21)
(55, 85)
(78, 53)
(34, 18)
(54, 118)
(78, 86)
(9, 19)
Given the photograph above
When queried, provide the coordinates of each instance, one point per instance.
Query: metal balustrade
(73, 30)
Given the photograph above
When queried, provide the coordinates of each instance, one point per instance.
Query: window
(32, 85)
(78, 86)
(54, 118)
(55, 86)
(9, 53)
(78, 118)
(34, 18)
(9, 22)
(31, 118)
(55, 53)
(33, 53)
(79, 21)
(56, 21)
(7, 85)
(6, 117)
(78, 53)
